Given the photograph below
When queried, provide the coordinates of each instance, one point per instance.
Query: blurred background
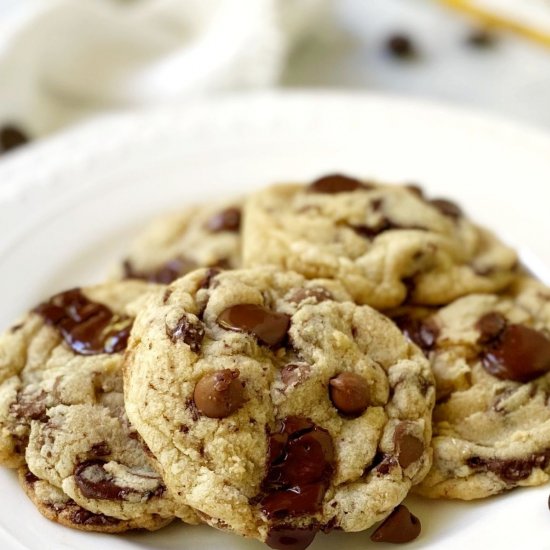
(63, 61)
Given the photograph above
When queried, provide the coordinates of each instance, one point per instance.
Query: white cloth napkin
(61, 60)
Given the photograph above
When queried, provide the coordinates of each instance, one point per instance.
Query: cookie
(56, 506)
(385, 243)
(61, 405)
(277, 407)
(491, 359)
(176, 243)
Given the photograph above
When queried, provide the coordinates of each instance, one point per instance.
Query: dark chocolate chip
(219, 394)
(80, 516)
(188, 330)
(399, 527)
(30, 406)
(423, 333)
(286, 537)
(30, 478)
(100, 449)
(408, 448)
(294, 373)
(301, 461)
(415, 190)
(95, 482)
(490, 327)
(337, 183)
(401, 46)
(349, 393)
(89, 328)
(315, 294)
(481, 38)
(518, 353)
(226, 220)
(163, 274)
(385, 224)
(11, 137)
(447, 208)
(268, 326)
(512, 470)
(209, 277)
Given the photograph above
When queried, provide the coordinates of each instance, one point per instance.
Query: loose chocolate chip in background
(337, 183)
(399, 527)
(301, 461)
(317, 293)
(11, 137)
(164, 274)
(89, 328)
(226, 220)
(447, 208)
(189, 331)
(481, 38)
(422, 332)
(283, 537)
(349, 393)
(513, 470)
(408, 448)
(219, 394)
(268, 326)
(518, 353)
(401, 46)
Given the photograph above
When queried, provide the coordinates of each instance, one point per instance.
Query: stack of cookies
(287, 363)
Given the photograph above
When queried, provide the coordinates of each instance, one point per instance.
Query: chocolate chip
(268, 326)
(490, 326)
(30, 478)
(30, 406)
(349, 393)
(301, 461)
(408, 448)
(163, 274)
(188, 330)
(518, 353)
(423, 333)
(415, 190)
(209, 277)
(447, 208)
(399, 527)
(337, 183)
(100, 449)
(315, 294)
(385, 224)
(512, 470)
(226, 220)
(89, 328)
(80, 516)
(481, 38)
(219, 394)
(11, 137)
(286, 537)
(401, 46)
(95, 482)
(294, 373)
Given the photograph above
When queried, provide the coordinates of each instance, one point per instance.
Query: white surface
(69, 206)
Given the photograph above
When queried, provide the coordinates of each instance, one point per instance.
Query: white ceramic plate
(69, 206)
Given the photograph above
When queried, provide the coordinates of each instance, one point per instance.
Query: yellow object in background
(530, 18)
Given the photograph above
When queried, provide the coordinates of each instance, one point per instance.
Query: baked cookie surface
(385, 243)
(175, 243)
(61, 405)
(275, 406)
(491, 359)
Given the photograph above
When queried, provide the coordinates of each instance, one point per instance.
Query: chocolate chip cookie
(385, 243)
(491, 358)
(277, 407)
(61, 406)
(176, 243)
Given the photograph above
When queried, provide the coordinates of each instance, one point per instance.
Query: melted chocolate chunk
(490, 327)
(399, 527)
(219, 394)
(80, 516)
(30, 406)
(268, 326)
(286, 537)
(515, 352)
(189, 331)
(401, 46)
(511, 471)
(30, 478)
(300, 465)
(423, 333)
(349, 393)
(11, 137)
(294, 373)
(89, 328)
(447, 208)
(164, 274)
(316, 294)
(226, 220)
(337, 183)
(408, 448)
